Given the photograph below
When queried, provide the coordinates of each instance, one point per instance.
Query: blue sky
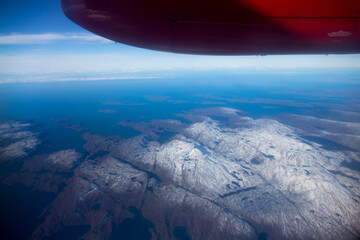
(36, 38)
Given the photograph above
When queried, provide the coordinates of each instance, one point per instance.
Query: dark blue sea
(98, 106)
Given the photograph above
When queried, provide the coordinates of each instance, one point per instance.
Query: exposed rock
(46, 172)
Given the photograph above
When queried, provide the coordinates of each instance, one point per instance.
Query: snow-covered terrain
(236, 178)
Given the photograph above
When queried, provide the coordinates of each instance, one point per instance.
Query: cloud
(57, 77)
(45, 38)
(108, 111)
(119, 58)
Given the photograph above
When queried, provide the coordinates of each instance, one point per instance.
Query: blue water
(135, 228)
(143, 100)
(181, 233)
(70, 232)
(20, 209)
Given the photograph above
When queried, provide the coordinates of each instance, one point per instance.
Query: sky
(37, 39)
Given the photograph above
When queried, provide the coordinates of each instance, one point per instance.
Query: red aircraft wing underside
(226, 27)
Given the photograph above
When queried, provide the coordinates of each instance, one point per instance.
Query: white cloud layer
(126, 62)
(40, 58)
(45, 38)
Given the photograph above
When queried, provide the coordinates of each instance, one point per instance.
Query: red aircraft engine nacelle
(224, 27)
